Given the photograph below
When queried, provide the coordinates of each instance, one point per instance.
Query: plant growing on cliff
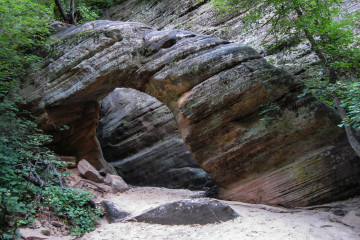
(329, 33)
(21, 158)
(31, 177)
(23, 29)
(29, 172)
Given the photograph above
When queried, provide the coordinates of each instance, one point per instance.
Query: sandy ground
(256, 221)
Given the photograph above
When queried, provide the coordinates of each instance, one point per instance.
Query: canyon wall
(244, 121)
(200, 16)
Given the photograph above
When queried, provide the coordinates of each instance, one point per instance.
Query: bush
(74, 206)
(31, 177)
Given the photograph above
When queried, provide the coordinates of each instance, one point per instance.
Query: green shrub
(74, 206)
(31, 177)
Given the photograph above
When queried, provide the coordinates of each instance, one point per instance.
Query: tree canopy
(23, 28)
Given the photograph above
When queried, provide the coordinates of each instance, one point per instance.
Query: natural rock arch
(139, 137)
(240, 117)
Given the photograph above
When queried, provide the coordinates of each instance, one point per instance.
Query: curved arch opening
(138, 136)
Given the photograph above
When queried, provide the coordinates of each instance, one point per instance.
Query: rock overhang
(217, 91)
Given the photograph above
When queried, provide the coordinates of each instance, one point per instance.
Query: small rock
(212, 192)
(57, 26)
(339, 212)
(45, 232)
(351, 219)
(119, 186)
(108, 179)
(187, 212)
(32, 234)
(36, 224)
(57, 224)
(113, 214)
(89, 172)
(116, 182)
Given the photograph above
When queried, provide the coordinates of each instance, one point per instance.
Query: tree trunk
(62, 12)
(72, 12)
(355, 144)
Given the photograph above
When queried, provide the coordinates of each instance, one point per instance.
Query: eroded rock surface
(89, 172)
(139, 137)
(243, 120)
(116, 182)
(187, 212)
(200, 16)
(112, 213)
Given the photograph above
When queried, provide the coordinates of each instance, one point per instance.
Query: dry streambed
(337, 221)
(334, 221)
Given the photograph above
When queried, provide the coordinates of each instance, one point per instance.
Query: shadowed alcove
(139, 137)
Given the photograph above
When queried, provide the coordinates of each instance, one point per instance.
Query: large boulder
(244, 121)
(139, 137)
(187, 212)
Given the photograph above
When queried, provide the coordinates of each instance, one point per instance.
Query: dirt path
(256, 221)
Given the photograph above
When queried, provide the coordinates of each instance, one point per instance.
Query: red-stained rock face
(240, 117)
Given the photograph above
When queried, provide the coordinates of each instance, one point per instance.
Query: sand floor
(257, 222)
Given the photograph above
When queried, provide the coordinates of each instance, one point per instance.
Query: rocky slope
(242, 119)
(139, 137)
(199, 16)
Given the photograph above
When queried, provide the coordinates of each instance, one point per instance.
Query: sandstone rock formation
(243, 120)
(139, 137)
(199, 16)
(116, 182)
(188, 212)
(89, 172)
(112, 213)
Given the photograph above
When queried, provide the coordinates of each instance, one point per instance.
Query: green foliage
(23, 25)
(349, 95)
(86, 10)
(21, 157)
(86, 13)
(329, 33)
(269, 112)
(74, 206)
(281, 44)
(29, 173)
(30, 176)
(23, 30)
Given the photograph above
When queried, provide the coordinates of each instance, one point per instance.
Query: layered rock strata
(200, 16)
(139, 137)
(244, 121)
